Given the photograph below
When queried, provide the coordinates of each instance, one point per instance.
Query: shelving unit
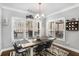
(72, 25)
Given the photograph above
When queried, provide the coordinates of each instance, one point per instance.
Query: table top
(33, 42)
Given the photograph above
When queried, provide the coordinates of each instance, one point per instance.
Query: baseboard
(67, 47)
(0, 53)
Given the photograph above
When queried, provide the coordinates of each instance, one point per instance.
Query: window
(25, 28)
(37, 28)
(18, 28)
(50, 28)
(29, 28)
(60, 29)
(56, 28)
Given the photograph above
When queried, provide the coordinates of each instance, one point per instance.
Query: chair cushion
(21, 50)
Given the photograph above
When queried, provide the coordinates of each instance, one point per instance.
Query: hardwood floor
(6, 53)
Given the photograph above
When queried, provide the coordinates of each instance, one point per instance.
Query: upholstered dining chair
(19, 50)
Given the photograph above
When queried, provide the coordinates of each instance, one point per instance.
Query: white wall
(72, 37)
(0, 28)
(6, 30)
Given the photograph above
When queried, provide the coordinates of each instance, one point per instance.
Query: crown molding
(63, 10)
(13, 9)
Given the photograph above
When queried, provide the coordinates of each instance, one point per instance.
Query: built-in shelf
(72, 25)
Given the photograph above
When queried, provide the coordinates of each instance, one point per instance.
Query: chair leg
(17, 54)
(22, 54)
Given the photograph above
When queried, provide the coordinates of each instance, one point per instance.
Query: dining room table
(31, 43)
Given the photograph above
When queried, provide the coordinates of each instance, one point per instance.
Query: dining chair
(47, 45)
(19, 50)
(39, 49)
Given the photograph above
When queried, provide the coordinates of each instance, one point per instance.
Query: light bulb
(42, 15)
(37, 15)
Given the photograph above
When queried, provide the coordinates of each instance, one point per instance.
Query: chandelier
(39, 14)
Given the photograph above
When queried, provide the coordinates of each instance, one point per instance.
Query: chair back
(40, 47)
(15, 47)
(48, 44)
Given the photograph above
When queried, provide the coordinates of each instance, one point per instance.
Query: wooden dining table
(34, 42)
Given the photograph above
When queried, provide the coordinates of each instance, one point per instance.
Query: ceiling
(47, 8)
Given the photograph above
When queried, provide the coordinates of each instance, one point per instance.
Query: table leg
(31, 51)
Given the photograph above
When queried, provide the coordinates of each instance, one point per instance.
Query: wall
(6, 30)
(72, 37)
(0, 28)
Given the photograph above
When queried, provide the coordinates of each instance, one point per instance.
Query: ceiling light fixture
(39, 14)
